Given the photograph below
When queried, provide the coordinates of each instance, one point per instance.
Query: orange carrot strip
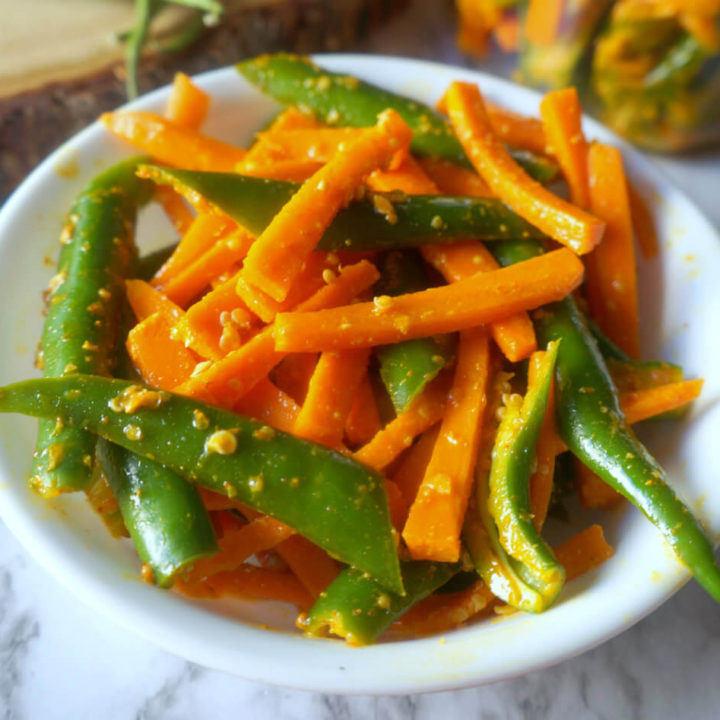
(515, 336)
(410, 471)
(396, 503)
(175, 207)
(363, 420)
(217, 323)
(562, 221)
(703, 27)
(227, 380)
(330, 395)
(145, 300)
(235, 547)
(542, 21)
(191, 280)
(215, 501)
(424, 411)
(251, 582)
(583, 551)
(479, 299)
(546, 450)
(292, 118)
(205, 229)
(644, 404)
(293, 374)
(443, 612)
(316, 144)
(432, 530)
(611, 277)
(171, 143)
(163, 361)
(265, 401)
(477, 19)
(312, 566)
(594, 492)
(643, 223)
(451, 179)
(517, 130)
(562, 119)
(408, 177)
(313, 274)
(276, 258)
(188, 104)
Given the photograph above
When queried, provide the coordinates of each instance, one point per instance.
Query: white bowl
(679, 305)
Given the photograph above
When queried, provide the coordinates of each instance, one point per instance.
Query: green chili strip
(415, 220)
(592, 425)
(329, 498)
(163, 513)
(509, 499)
(345, 100)
(81, 326)
(358, 608)
(407, 367)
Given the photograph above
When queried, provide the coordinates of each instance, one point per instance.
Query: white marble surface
(59, 660)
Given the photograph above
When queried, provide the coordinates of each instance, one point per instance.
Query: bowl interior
(678, 308)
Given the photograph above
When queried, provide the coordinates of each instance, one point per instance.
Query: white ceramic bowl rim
(594, 608)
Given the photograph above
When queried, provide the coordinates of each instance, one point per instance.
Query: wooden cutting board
(62, 64)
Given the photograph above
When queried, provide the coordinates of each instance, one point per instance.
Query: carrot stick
(317, 144)
(451, 179)
(172, 144)
(408, 177)
(442, 612)
(562, 120)
(546, 450)
(292, 118)
(611, 275)
(424, 411)
(217, 323)
(330, 395)
(215, 501)
(515, 336)
(262, 533)
(225, 381)
(205, 229)
(188, 104)
(583, 551)
(249, 581)
(276, 258)
(175, 207)
(562, 221)
(644, 404)
(410, 471)
(432, 530)
(290, 170)
(293, 375)
(477, 19)
(363, 420)
(265, 401)
(145, 300)
(542, 21)
(221, 257)
(594, 492)
(643, 223)
(315, 271)
(163, 361)
(312, 566)
(517, 130)
(479, 299)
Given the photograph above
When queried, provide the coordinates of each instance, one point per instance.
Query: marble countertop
(60, 660)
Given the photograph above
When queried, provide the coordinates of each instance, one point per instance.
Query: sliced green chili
(592, 425)
(342, 99)
(356, 607)
(413, 220)
(81, 326)
(509, 498)
(329, 498)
